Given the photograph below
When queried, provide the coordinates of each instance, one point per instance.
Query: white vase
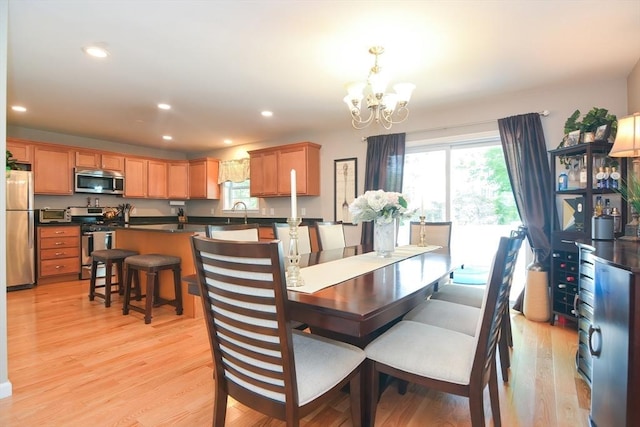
(384, 238)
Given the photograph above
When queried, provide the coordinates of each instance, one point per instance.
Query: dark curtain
(383, 170)
(525, 153)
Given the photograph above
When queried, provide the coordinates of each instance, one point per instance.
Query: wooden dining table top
(355, 309)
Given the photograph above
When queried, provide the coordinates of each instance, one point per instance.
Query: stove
(97, 233)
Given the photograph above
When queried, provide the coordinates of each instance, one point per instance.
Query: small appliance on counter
(602, 228)
(53, 215)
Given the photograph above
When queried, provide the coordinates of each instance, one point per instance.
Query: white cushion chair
(258, 359)
(464, 318)
(235, 232)
(281, 232)
(447, 360)
(330, 235)
(436, 233)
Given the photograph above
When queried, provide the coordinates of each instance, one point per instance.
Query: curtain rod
(543, 113)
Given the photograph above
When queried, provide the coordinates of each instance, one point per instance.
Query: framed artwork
(573, 138)
(345, 184)
(602, 133)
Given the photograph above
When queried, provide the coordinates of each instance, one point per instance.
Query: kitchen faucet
(245, 209)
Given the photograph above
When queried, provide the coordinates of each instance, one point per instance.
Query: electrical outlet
(303, 211)
(272, 211)
(213, 211)
(173, 211)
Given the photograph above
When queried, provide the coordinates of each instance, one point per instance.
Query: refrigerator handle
(32, 230)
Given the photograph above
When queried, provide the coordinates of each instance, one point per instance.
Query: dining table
(360, 308)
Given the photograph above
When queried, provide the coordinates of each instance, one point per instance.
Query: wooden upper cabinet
(52, 170)
(178, 180)
(157, 179)
(135, 173)
(271, 170)
(21, 151)
(97, 160)
(203, 179)
(263, 174)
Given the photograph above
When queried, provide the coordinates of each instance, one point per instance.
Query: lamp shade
(627, 143)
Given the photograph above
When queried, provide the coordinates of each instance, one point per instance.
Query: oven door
(93, 241)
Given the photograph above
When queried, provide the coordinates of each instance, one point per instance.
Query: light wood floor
(73, 362)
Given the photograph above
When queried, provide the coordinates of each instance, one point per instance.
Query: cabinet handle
(59, 243)
(59, 232)
(58, 267)
(576, 299)
(595, 331)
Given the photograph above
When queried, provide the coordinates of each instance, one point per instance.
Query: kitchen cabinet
(135, 173)
(157, 179)
(576, 190)
(271, 170)
(21, 151)
(58, 253)
(178, 180)
(203, 179)
(53, 170)
(97, 160)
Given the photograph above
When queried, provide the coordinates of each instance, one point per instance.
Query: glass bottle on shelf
(615, 178)
(597, 211)
(600, 178)
(563, 181)
(583, 172)
(607, 177)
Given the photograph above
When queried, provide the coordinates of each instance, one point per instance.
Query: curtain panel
(383, 170)
(233, 170)
(525, 154)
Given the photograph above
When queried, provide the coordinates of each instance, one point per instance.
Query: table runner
(320, 276)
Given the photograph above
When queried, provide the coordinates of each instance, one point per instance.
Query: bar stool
(151, 264)
(108, 257)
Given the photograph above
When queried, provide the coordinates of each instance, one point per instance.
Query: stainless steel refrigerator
(20, 230)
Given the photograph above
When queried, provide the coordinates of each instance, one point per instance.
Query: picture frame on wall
(345, 184)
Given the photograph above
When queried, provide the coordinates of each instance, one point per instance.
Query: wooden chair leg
(402, 387)
(177, 283)
(371, 399)
(505, 360)
(476, 407)
(148, 304)
(92, 282)
(127, 291)
(220, 405)
(108, 265)
(355, 398)
(493, 395)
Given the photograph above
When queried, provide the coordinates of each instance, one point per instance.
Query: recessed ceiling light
(267, 113)
(167, 137)
(19, 108)
(228, 141)
(96, 51)
(164, 106)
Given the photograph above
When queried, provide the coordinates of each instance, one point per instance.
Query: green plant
(630, 191)
(12, 164)
(572, 122)
(597, 117)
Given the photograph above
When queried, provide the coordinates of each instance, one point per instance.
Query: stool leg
(107, 282)
(92, 283)
(127, 291)
(119, 269)
(152, 277)
(136, 286)
(177, 283)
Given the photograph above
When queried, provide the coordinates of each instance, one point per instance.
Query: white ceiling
(220, 63)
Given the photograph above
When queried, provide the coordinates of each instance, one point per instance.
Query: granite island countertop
(166, 228)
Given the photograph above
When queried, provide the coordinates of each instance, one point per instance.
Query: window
(233, 192)
(465, 182)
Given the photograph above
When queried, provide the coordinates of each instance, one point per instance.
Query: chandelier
(384, 108)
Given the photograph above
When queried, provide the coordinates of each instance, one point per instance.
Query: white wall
(5, 384)
(633, 90)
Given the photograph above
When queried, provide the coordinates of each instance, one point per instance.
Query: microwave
(54, 215)
(99, 182)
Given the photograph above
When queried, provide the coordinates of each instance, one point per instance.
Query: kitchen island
(165, 239)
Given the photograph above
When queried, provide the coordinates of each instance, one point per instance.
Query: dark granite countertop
(206, 220)
(166, 228)
(620, 253)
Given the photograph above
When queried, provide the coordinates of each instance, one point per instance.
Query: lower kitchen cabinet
(58, 253)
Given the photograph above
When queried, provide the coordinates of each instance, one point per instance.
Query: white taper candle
(294, 201)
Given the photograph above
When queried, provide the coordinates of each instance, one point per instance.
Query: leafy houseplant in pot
(595, 118)
(12, 164)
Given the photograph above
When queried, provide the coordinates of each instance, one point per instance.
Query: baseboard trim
(5, 389)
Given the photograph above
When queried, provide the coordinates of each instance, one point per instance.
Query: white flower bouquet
(380, 206)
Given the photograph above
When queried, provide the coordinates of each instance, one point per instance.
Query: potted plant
(595, 118)
(12, 164)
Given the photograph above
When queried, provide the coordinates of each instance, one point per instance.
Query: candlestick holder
(293, 277)
(423, 232)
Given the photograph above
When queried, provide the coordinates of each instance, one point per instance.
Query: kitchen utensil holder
(293, 277)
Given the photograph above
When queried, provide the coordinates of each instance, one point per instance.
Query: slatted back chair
(281, 232)
(258, 359)
(330, 234)
(437, 233)
(447, 360)
(237, 232)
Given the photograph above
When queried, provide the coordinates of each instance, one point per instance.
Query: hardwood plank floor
(73, 362)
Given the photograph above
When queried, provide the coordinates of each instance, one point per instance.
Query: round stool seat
(112, 254)
(152, 260)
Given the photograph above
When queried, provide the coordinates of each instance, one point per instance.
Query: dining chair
(281, 232)
(260, 361)
(237, 232)
(446, 360)
(464, 318)
(330, 235)
(437, 233)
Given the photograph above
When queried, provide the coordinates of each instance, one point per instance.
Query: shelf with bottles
(575, 173)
